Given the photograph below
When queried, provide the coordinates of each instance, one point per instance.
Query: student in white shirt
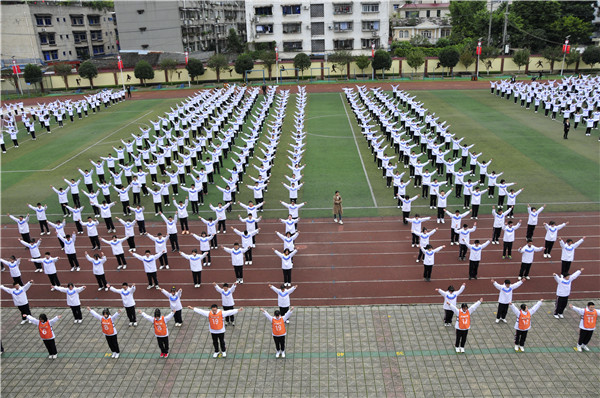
(523, 323)
(450, 297)
(563, 290)
(40, 212)
(107, 321)
(161, 331)
(463, 323)
(98, 261)
(227, 300)
(126, 293)
(216, 326)
(551, 235)
(278, 329)
(475, 257)
(237, 260)
(49, 266)
(220, 216)
(175, 303)
(568, 254)
(528, 252)
(19, 295)
(149, 261)
(283, 298)
(171, 224)
(429, 259)
(508, 238)
(195, 265)
(587, 324)
(73, 300)
(505, 297)
(532, 220)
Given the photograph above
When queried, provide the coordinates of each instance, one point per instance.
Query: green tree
(33, 74)
(362, 62)
(415, 59)
(521, 58)
(531, 23)
(468, 19)
(244, 63)
(449, 57)
(419, 41)
(467, 58)
(143, 71)
(88, 70)
(63, 70)
(568, 25)
(552, 54)
(195, 68)
(234, 43)
(488, 54)
(216, 63)
(342, 58)
(572, 58)
(591, 55)
(168, 65)
(382, 60)
(302, 62)
(268, 59)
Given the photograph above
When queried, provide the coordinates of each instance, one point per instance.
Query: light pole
(566, 49)
(16, 70)
(478, 52)
(276, 64)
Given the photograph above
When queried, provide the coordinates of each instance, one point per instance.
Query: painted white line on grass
(358, 150)
(79, 153)
(319, 117)
(326, 136)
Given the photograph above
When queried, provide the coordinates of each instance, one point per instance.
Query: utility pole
(489, 40)
(566, 49)
(504, 32)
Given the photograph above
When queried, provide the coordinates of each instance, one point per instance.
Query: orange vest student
(587, 325)
(463, 323)
(523, 323)
(46, 332)
(107, 321)
(160, 330)
(216, 326)
(278, 329)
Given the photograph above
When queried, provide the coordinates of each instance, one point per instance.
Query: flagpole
(276, 65)
(120, 64)
(186, 63)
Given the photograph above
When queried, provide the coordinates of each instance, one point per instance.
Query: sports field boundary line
(358, 150)
(79, 153)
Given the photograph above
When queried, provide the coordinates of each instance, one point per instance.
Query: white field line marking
(327, 136)
(79, 153)
(358, 150)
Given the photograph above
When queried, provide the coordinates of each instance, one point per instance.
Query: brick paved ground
(359, 351)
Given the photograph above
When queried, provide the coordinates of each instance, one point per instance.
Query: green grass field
(527, 147)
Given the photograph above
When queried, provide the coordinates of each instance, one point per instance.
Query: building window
(366, 43)
(370, 8)
(82, 52)
(439, 13)
(317, 28)
(291, 10)
(57, 19)
(96, 35)
(94, 19)
(342, 9)
(76, 20)
(445, 33)
(47, 39)
(347, 44)
(98, 50)
(292, 46)
(318, 46)
(79, 37)
(266, 11)
(265, 29)
(342, 26)
(292, 28)
(411, 14)
(426, 34)
(50, 55)
(428, 13)
(317, 10)
(43, 20)
(370, 25)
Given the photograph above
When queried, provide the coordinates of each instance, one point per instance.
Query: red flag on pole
(186, 58)
(566, 47)
(478, 51)
(276, 53)
(372, 50)
(16, 68)
(120, 62)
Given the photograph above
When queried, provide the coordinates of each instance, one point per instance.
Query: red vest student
(46, 332)
(107, 321)
(463, 323)
(587, 324)
(523, 323)
(278, 329)
(160, 330)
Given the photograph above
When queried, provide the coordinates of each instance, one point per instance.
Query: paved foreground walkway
(362, 351)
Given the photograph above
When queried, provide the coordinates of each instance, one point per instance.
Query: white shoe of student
(561, 316)
(462, 349)
(503, 320)
(522, 348)
(135, 324)
(578, 348)
(113, 354)
(119, 267)
(335, 220)
(282, 354)
(149, 287)
(78, 269)
(117, 355)
(224, 354)
(498, 320)
(54, 356)
(527, 277)
(457, 349)
(517, 348)
(585, 347)
(278, 353)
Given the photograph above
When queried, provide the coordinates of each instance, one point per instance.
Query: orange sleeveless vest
(45, 330)
(589, 319)
(215, 320)
(524, 321)
(108, 328)
(160, 327)
(464, 320)
(278, 327)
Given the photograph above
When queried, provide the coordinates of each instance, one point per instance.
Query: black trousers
(178, 317)
(197, 276)
(279, 343)
(221, 225)
(174, 242)
(230, 318)
(584, 336)
(453, 236)
(24, 309)
(163, 260)
(548, 245)
(73, 262)
(415, 239)
(239, 271)
(219, 338)
(287, 276)
(113, 343)
(109, 223)
(565, 266)
(95, 241)
(473, 267)
(530, 229)
(76, 310)
(462, 250)
(131, 313)
(54, 279)
(448, 314)
(520, 337)
(524, 269)
(461, 337)
(561, 304)
(184, 224)
(496, 234)
(17, 279)
(284, 310)
(152, 278)
(141, 226)
(502, 310)
(507, 249)
(50, 346)
(427, 271)
(163, 344)
(474, 210)
(101, 279)
(44, 225)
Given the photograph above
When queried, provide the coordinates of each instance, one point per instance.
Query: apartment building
(428, 19)
(51, 32)
(178, 26)
(317, 28)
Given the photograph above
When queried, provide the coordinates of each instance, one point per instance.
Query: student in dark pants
(46, 332)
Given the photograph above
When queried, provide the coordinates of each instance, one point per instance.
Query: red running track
(365, 261)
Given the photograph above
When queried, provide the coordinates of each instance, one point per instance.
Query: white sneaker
(578, 348)
(149, 287)
(341, 223)
(282, 354)
(522, 348)
(527, 277)
(443, 221)
(167, 266)
(119, 267)
(503, 320)
(517, 348)
(549, 256)
(457, 349)
(113, 354)
(100, 288)
(585, 348)
(125, 266)
(24, 321)
(561, 316)
(249, 262)
(72, 269)
(161, 267)
(519, 278)
(498, 320)
(134, 324)
(117, 355)
(278, 353)
(334, 220)
(556, 316)
(462, 349)
(216, 355)
(78, 269)
(54, 356)
(241, 281)
(224, 354)
(417, 260)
